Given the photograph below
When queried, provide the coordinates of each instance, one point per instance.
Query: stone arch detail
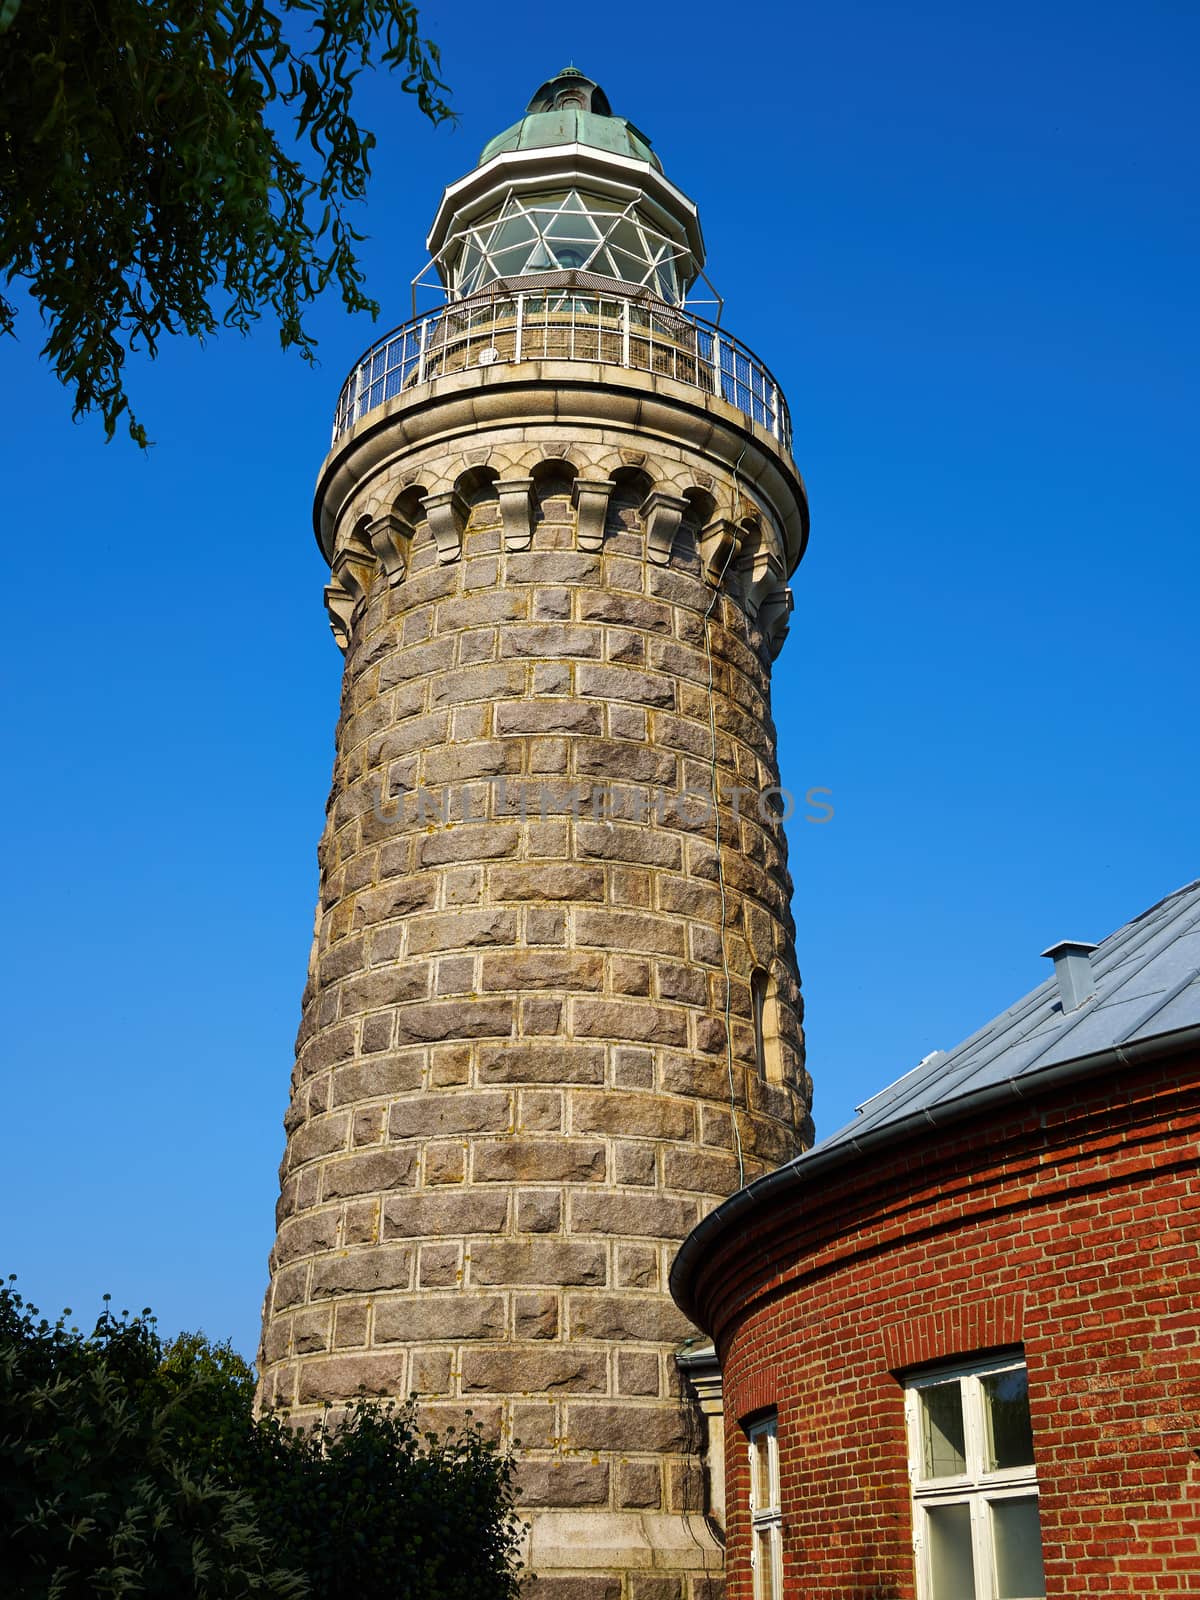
(631, 485)
(595, 491)
(477, 483)
(552, 479)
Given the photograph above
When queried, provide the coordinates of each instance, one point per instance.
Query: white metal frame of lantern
(576, 230)
(766, 1510)
(973, 1483)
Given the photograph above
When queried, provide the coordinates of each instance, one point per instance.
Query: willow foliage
(144, 189)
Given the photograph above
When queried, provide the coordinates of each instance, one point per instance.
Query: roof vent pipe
(1073, 969)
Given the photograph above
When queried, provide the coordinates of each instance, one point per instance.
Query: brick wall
(1072, 1230)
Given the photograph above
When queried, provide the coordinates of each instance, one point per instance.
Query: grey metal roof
(1146, 1003)
(1147, 983)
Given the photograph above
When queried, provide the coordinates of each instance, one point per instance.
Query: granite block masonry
(553, 1013)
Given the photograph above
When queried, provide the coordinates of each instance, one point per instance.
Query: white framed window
(976, 1531)
(766, 1510)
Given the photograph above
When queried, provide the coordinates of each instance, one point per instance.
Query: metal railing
(564, 325)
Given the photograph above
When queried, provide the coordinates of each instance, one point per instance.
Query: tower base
(622, 1555)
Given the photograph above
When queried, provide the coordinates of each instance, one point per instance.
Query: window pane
(517, 230)
(942, 1444)
(764, 1555)
(571, 255)
(1017, 1538)
(761, 1448)
(540, 260)
(573, 226)
(511, 263)
(1006, 1406)
(951, 1564)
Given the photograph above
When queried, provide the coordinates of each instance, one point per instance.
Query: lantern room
(570, 195)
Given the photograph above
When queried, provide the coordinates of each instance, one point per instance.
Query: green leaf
(174, 205)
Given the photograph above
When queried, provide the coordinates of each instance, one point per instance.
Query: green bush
(134, 1467)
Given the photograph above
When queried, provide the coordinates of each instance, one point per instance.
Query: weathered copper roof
(571, 108)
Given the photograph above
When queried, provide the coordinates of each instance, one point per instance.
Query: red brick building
(960, 1339)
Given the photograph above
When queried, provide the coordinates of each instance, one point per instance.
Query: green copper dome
(572, 109)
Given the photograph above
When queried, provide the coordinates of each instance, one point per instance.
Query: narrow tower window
(766, 1510)
(764, 1007)
(758, 1005)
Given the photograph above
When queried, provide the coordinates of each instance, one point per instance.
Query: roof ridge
(1184, 888)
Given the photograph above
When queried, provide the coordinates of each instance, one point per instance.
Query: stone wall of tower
(516, 1091)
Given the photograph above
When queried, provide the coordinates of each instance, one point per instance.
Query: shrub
(130, 1466)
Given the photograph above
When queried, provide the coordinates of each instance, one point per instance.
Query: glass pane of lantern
(602, 263)
(1006, 1407)
(540, 260)
(467, 268)
(943, 1451)
(571, 255)
(597, 203)
(516, 230)
(628, 238)
(1017, 1541)
(573, 226)
(951, 1561)
(630, 269)
(509, 263)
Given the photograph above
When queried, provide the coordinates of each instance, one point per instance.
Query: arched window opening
(764, 1008)
(630, 487)
(477, 486)
(552, 482)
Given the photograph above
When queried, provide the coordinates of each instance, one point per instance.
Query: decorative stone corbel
(720, 542)
(763, 578)
(340, 608)
(662, 514)
(447, 515)
(589, 496)
(390, 536)
(774, 615)
(516, 511)
(352, 566)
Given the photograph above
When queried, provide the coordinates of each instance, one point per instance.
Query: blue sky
(965, 238)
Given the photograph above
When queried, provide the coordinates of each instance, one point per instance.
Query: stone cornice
(457, 407)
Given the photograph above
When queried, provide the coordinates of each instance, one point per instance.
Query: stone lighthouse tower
(552, 1013)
